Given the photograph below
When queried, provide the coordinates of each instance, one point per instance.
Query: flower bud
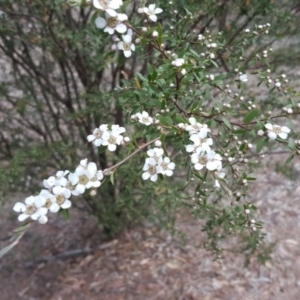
(183, 72)
(155, 33)
(158, 143)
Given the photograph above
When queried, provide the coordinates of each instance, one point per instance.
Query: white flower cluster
(103, 136)
(143, 118)
(202, 154)
(58, 190)
(157, 164)
(114, 21)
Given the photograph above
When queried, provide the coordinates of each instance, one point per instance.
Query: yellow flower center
(112, 22)
(30, 210)
(152, 170)
(83, 179)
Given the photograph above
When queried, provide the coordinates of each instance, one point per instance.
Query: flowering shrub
(180, 115)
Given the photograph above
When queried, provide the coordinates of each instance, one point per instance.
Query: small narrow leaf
(112, 179)
(289, 159)
(260, 144)
(251, 115)
(226, 122)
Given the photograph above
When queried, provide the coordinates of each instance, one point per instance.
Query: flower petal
(67, 204)
(19, 207)
(43, 219)
(153, 177)
(146, 175)
(285, 129)
(22, 217)
(29, 200)
(154, 19)
(127, 38)
(272, 135)
(54, 208)
(121, 28)
(283, 135)
(269, 126)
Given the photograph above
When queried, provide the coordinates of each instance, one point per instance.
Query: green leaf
(65, 213)
(22, 228)
(141, 77)
(261, 143)
(214, 63)
(166, 121)
(251, 115)
(6, 249)
(112, 179)
(226, 122)
(14, 240)
(289, 159)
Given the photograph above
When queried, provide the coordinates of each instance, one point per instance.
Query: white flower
(57, 180)
(156, 154)
(96, 180)
(84, 177)
(151, 169)
(211, 160)
(50, 203)
(214, 161)
(196, 127)
(274, 130)
(115, 137)
(70, 187)
(144, 118)
(99, 135)
(112, 23)
(126, 45)
(201, 143)
(32, 208)
(178, 62)
(167, 167)
(199, 160)
(62, 196)
(108, 6)
(151, 11)
(244, 78)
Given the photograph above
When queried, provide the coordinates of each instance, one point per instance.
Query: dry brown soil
(70, 261)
